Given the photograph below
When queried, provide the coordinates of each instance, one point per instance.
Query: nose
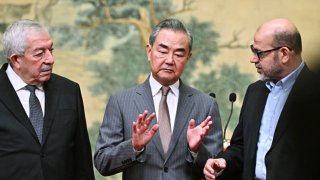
(254, 59)
(169, 59)
(49, 58)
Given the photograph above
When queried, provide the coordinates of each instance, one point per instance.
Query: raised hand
(141, 133)
(195, 135)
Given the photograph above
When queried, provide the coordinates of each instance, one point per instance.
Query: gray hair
(15, 36)
(171, 24)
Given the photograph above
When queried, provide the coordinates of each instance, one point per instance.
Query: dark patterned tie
(164, 120)
(36, 115)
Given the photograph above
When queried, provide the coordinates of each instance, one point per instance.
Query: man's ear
(15, 61)
(148, 51)
(285, 54)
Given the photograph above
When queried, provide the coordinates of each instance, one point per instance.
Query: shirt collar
(288, 81)
(156, 86)
(16, 81)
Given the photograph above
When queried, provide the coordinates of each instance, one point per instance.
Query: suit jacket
(114, 151)
(294, 149)
(65, 153)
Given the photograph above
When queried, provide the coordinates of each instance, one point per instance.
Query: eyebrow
(166, 47)
(43, 48)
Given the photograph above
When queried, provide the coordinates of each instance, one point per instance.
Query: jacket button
(165, 169)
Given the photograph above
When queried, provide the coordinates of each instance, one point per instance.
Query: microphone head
(232, 97)
(212, 95)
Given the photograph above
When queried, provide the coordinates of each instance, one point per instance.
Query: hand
(213, 167)
(226, 144)
(195, 135)
(141, 134)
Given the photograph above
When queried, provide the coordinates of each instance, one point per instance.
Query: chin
(44, 78)
(263, 77)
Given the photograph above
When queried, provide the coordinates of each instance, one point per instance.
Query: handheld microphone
(232, 99)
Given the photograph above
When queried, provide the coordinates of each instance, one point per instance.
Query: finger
(191, 124)
(205, 122)
(134, 127)
(150, 118)
(154, 129)
(139, 119)
(208, 172)
(144, 115)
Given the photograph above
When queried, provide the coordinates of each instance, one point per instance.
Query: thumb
(192, 123)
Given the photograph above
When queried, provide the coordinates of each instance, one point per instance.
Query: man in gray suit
(127, 144)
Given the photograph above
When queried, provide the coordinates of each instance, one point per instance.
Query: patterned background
(100, 43)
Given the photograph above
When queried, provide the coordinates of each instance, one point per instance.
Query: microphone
(212, 95)
(232, 99)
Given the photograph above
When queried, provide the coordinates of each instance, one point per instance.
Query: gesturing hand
(195, 135)
(141, 134)
(213, 168)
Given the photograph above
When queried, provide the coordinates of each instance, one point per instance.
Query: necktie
(36, 115)
(164, 120)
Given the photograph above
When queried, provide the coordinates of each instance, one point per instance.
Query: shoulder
(55, 78)
(256, 86)
(58, 81)
(198, 95)
(130, 91)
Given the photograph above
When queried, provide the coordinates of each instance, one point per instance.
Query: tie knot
(31, 88)
(165, 90)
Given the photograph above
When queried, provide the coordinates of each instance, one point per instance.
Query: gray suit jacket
(114, 151)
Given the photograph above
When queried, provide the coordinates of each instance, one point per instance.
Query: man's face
(168, 56)
(267, 63)
(35, 66)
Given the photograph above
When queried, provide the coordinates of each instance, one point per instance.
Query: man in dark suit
(127, 144)
(55, 145)
(276, 135)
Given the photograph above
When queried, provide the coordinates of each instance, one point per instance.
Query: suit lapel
(52, 96)
(299, 87)
(185, 106)
(256, 105)
(10, 99)
(144, 101)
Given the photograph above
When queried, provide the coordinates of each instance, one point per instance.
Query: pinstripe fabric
(114, 151)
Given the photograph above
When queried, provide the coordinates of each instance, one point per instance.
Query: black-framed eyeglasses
(258, 52)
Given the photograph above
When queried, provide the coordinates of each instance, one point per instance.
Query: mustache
(258, 66)
(46, 67)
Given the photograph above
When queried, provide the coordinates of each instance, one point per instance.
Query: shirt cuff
(138, 152)
(194, 154)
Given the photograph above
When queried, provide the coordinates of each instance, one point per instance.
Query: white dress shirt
(172, 98)
(23, 94)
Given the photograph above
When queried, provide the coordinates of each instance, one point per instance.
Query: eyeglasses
(258, 53)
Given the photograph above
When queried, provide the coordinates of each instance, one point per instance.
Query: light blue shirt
(273, 108)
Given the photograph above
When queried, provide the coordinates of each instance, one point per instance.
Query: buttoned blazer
(114, 151)
(65, 153)
(294, 149)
